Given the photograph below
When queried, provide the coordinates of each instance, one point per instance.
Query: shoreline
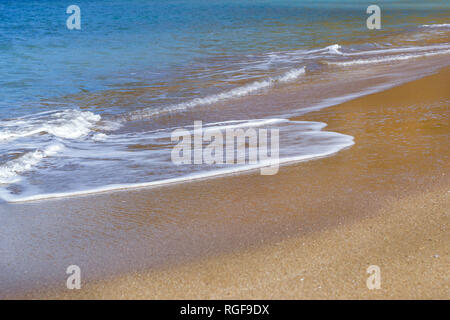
(247, 236)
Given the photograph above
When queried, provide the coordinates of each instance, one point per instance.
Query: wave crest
(289, 76)
(67, 124)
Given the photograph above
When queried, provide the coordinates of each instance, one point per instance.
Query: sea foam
(67, 124)
(438, 25)
(289, 76)
(300, 141)
(9, 172)
(387, 58)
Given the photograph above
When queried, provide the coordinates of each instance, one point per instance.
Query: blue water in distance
(137, 43)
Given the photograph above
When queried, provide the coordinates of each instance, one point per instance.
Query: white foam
(234, 124)
(441, 25)
(67, 124)
(72, 124)
(99, 137)
(233, 93)
(397, 50)
(334, 49)
(291, 75)
(388, 59)
(9, 172)
(341, 141)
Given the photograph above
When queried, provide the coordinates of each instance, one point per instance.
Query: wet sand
(310, 231)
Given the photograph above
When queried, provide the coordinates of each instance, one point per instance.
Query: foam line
(347, 141)
(289, 76)
(388, 59)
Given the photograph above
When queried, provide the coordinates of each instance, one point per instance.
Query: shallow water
(92, 110)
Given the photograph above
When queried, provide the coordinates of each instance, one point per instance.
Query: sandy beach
(309, 232)
(284, 150)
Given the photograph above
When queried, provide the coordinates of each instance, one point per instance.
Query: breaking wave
(67, 124)
(387, 59)
(230, 94)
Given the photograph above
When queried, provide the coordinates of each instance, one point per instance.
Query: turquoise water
(95, 101)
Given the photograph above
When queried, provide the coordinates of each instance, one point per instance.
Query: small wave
(387, 59)
(9, 172)
(346, 142)
(233, 93)
(307, 139)
(440, 25)
(291, 75)
(235, 124)
(398, 50)
(334, 49)
(68, 124)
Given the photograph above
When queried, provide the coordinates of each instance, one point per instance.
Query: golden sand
(312, 230)
(408, 241)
